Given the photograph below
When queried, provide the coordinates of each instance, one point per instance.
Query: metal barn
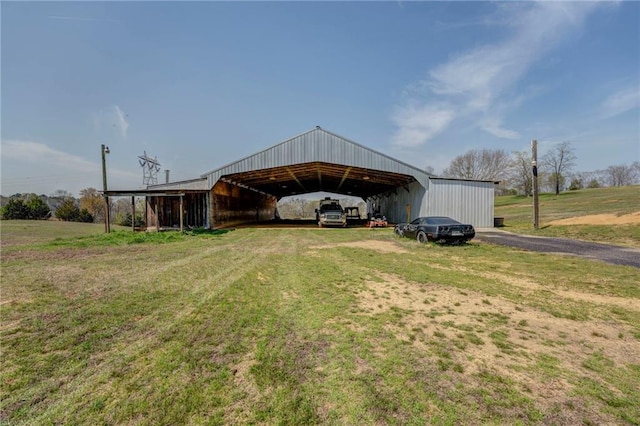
(248, 190)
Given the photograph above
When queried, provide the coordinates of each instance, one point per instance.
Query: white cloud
(494, 127)
(418, 124)
(121, 121)
(36, 167)
(477, 82)
(112, 122)
(35, 153)
(620, 102)
(80, 18)
(477, 77)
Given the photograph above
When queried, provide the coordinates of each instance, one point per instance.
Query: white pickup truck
(330, 213)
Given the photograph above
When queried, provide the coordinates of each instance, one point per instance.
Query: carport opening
(302, 207)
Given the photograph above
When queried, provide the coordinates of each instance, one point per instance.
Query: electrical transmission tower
(150, 169)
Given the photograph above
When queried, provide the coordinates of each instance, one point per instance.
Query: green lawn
(309, 326)
(518, 214)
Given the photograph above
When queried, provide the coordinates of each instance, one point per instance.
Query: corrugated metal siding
(318, 145)
(466, 201)
(394, 206)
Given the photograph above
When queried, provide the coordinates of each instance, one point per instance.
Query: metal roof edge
(179, 182)
(378, 152)
(142, 193)
(496, 182)
(204, 175)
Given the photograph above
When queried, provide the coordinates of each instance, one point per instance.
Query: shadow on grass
(116, 238)
(203, 231)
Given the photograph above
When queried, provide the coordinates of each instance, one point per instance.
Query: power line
(43, 178)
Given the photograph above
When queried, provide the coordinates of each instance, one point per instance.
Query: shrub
(85, 216)
(576, 184)
(125, 220)
(16, 209)
(594, 184)
(68, 211)
(38, 209)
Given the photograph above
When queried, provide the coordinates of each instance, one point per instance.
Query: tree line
(305, 208)
(90, 207)
(555, 170)
(513, 171)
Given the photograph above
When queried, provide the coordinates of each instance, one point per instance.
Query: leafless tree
(593, 179)
(521, 174)
(305, 207)
(62, 193)
(58, 197)
(560, 160)
(596, 179)
(485, 164)
(623, 175)
(296, 208)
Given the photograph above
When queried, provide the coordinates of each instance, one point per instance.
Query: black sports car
(436, 228)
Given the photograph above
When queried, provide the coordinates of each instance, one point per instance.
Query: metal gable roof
(319, 160)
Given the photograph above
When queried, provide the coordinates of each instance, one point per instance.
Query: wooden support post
(107, 215)
(181, 214)
(133, 213)
(107, 211)
(155, 200)
(534, 164)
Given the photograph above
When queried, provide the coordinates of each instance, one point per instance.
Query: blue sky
(202, 84)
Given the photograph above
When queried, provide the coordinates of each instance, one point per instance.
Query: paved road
(607, 253)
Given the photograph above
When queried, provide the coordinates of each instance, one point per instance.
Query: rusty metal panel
(232, 205)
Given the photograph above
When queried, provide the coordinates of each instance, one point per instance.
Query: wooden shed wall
(231, 205)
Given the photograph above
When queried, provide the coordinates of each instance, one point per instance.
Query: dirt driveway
(604, 252)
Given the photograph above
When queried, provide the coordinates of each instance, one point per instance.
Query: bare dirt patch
(498, 335)
(66, 254)
(377, 245)
(601, 219)
(248, 393)
(530, 286)
(431, 305)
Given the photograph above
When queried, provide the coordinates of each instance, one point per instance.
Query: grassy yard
(597, 214)
(308, 326)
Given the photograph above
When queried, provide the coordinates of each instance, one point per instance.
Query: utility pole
(534, 164)
(107, 218)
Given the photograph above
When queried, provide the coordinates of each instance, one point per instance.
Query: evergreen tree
(68, 211)
(15, 209)
(38, 209)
